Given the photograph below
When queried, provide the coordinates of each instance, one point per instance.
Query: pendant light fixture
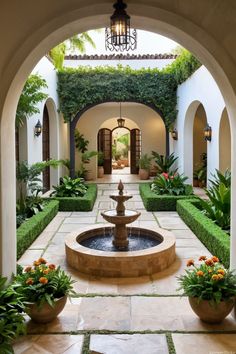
(119, 37)
(120, 121)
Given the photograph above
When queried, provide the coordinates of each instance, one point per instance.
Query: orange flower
(200, 273)
(42, 260)
(43, 280)
(220, 276)
(209, 262)
(190, 262)
(221, 271)
(52, 266)
(215, 259)
(36, 263)
(210, 271)
(215, 277)
(29, 281)
(28, 269)
(202, 258)
(46, 271)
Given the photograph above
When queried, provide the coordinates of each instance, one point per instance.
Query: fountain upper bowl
(128, 217)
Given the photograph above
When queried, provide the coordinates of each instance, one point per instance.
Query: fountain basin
(120, 263)
(128, 217)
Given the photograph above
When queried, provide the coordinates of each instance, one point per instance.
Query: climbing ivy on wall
(84, 87)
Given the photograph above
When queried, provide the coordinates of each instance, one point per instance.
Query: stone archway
(30, 40)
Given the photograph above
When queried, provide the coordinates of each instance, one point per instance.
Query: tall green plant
(164, 163)
(31, 95)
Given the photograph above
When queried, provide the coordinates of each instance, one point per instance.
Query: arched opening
(199, 148)
(46, 148)
(48, 30)
(225, 143)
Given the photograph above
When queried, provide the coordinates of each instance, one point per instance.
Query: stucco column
(7, 199)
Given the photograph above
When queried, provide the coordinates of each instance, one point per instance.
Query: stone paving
(124, 316)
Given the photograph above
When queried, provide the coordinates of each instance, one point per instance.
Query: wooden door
(46, 149)
(104, 145)
(135, 150)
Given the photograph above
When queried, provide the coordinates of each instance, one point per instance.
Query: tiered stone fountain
(120, 251)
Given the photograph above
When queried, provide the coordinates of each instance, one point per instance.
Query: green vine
(84, 87)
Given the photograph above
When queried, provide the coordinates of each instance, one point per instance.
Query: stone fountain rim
(72, 243)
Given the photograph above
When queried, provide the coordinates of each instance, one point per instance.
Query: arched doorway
(46, 148)
(225, 143)
(199, 148)
(47, 29)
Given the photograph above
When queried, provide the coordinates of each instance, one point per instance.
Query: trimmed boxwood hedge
(154, 202)
(84, 203)
(212, 236)
(31, 228)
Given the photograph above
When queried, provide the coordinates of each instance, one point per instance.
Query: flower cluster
(208, 280)
(171, 183)
(43, 282)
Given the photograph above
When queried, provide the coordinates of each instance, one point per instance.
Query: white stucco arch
(224, 142)
(30, 40)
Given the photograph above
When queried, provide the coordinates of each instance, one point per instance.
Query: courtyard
(124, 315)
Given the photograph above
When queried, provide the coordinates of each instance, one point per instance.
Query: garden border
(31, 228)
(84, 203)
(154, 202)
(212, 236)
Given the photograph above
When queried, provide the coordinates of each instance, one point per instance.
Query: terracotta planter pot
(46, 313)
(143, 174)
(100, 171)
(211, 313)
(88, 176)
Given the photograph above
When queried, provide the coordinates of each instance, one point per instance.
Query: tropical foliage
(171, 184)
(145, 162)
(43, 283)
(218, 206)
(31, 95)
(11, 316)
(164, 163)
(70, 188)
(208, 281)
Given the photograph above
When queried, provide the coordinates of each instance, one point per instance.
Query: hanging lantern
(174, 134)
(119, 36)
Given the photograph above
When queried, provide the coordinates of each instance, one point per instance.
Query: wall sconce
(207, 133)
(38, 128)
(174, 134)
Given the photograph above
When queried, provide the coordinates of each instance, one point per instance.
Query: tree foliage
(84, 87)
(31, 95)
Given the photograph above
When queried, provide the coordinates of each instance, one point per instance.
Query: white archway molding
(30, 40)
(224, 142)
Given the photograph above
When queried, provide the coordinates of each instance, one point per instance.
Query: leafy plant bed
(31, 228)
(84, 203)
(154, 202)
(212, 236)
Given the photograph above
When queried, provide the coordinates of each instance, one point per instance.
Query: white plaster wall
(199, 88)
(225, 143)
(136, 116)
(46, 70)
(134, 64)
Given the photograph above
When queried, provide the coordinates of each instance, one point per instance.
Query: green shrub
(145, 162)
(11, 317)
(154, 202)
(212, 236)
(84, 203)
(171, 184)
(70, 187)
(164, 163)
(31, 228)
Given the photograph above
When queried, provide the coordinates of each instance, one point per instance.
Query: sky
(147, 43)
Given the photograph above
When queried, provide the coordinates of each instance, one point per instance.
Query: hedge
(212, 236)
(84, 203)
(154, 202)
(31, 228)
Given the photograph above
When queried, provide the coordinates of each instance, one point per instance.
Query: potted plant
(210, 287)
(86, 156)
(100, 164)
(12, 322)
(44, 287)
(144, 166)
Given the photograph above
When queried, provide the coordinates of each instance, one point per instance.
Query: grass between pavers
(84, 203)
(212, 236)
(154, 202)
(31, 228)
